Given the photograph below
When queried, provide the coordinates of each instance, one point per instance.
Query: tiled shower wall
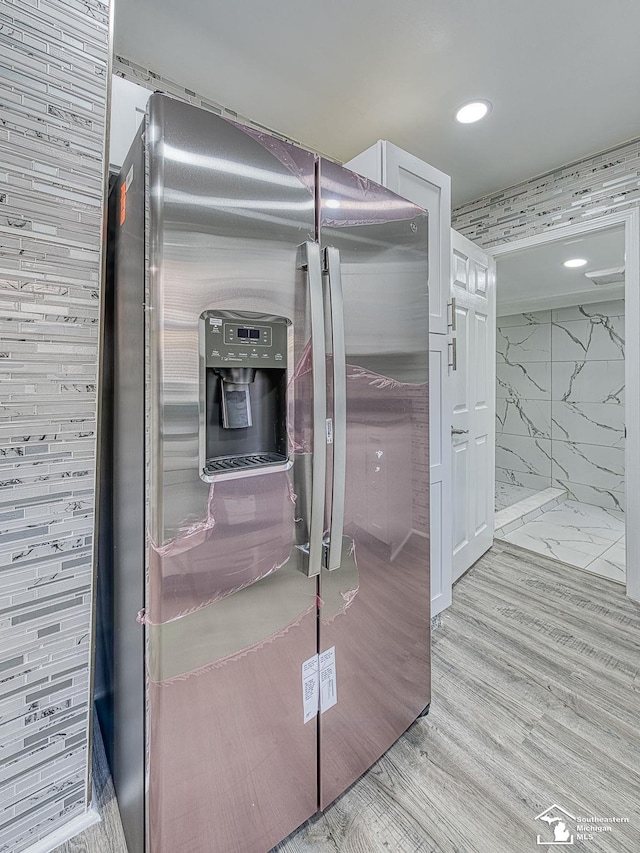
(560, 401)
(53, 76)
(605, 183)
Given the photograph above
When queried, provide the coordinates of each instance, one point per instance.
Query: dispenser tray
(250, 460)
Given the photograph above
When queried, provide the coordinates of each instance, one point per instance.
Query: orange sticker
(123, 203)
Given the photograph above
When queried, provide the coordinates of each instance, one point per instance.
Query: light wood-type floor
(536, 702)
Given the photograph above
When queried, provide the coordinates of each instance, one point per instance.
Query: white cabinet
(430, 188)
(416, 180)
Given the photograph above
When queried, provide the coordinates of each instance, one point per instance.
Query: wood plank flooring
(536, 702)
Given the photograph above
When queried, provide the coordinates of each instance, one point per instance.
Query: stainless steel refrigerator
(269, 472)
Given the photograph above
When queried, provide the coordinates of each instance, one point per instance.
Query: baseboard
(65, 833)
(395, 552)
(419, 533)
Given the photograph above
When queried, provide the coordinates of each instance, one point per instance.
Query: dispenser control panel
(239, 342)
(257, 336)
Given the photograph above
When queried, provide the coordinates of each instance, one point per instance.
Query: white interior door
(473, 417)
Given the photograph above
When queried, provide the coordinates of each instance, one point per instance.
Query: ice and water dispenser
(243, 423)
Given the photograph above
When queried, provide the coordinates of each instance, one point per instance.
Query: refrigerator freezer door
(375, 610)
(231, 615)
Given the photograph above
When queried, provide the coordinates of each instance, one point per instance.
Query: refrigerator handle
(332, 265)
(311, 262)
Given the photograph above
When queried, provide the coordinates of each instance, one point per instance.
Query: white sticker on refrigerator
(328, 681)
(329, 431)
(310, 688)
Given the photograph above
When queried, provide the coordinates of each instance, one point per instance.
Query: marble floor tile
(612, 564)
(561, 542)
(585, 536)
(605, 523)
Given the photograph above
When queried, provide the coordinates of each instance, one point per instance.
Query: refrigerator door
(231, 613)
(374, 626)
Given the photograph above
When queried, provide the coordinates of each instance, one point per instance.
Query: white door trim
(631, 221)
(440, 472)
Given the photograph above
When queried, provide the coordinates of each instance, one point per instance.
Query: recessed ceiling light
(473, 111)
(575, 262)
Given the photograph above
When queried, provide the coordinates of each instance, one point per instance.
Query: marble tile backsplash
(154, 82)
(560, 401)
(608, 182)
(53, 78)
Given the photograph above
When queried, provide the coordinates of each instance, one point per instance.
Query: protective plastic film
(376, 604)
(246, 535)
(230, 614)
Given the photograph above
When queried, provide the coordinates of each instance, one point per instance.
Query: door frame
(630, 219)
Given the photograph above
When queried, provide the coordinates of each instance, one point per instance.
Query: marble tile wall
(608, 182)
(560, 401)
(53, 75)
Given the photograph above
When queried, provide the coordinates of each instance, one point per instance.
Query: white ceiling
(563, 75)
(535, 279)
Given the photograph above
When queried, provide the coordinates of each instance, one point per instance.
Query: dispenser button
(278, 356)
